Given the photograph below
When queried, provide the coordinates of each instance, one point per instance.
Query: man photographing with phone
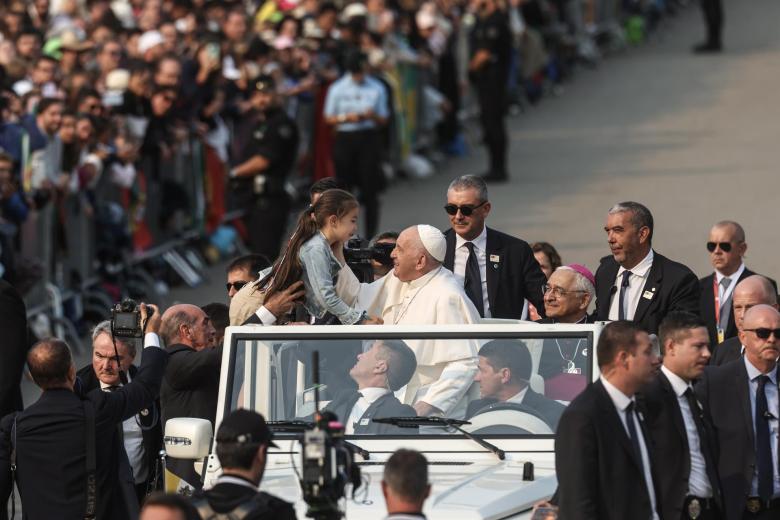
(66, 447)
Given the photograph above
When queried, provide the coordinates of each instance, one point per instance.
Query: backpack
(257, 504)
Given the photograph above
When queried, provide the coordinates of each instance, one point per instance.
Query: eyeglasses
(557, 291)
(466, 210)
(235, 285)
(724, 246)
(763, 333)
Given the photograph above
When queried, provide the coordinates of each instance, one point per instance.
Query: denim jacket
(320, 269)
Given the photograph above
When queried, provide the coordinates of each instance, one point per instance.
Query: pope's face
(406, 257)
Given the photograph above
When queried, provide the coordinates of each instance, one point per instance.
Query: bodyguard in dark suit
(242, 448)
(13, 349)
(683, 441)
(751, 291)
(499, 272)
(602, 452)
(405, 485)
(504, 370)
(636, 283)
(142, 434)
(741, 400)
(381, 370)
(726, 245)
(51, 435)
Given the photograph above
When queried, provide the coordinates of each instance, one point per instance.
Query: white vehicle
(269, 370)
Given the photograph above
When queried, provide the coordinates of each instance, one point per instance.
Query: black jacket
(672, 460)
(191, 383)
(13, 349)
(226, 496)
(548, 410)
(727, 351)
(599, 477)
(707, 308)
(386, 406)
(673, 286)
(512, 272)
(51, 448)
(724, 392)
(149, 418)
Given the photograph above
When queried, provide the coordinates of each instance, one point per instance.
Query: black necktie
(632, 434)
(623, 294)
(473, 283)
(763, 445)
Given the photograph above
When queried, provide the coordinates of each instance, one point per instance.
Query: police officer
(242, 448)
(489, 71)
(266, 149)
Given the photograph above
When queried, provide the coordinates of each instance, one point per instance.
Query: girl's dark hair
(287, 269)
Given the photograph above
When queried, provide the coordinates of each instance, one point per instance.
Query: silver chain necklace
(570, 368)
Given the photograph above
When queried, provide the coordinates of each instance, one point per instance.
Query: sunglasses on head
(236, 285)
(763, 333)
(724, 246)
(466, 210)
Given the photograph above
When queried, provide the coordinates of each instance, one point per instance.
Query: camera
(126, 320)
(359, 254)
(328, 466)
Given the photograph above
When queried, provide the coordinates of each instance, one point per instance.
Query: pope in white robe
(420, 290)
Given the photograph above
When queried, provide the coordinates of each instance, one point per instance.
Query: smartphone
(213, 50)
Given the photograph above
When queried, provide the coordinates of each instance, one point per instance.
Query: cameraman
(242, 448)
(59, 437)
(142, 433)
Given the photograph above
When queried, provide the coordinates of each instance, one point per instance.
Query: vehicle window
(503, 386)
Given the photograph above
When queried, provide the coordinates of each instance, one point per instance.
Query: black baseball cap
(245, 427)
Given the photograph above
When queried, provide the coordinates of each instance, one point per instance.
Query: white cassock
(445, 368)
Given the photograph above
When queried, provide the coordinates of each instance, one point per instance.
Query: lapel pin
(648, 295)
(145, 412)
(495, 258)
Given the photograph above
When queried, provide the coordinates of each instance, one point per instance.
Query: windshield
(504, 384)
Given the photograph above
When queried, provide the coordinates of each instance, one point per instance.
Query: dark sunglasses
(236, 285)
(763, 333)
(724, 246)
(466, 211)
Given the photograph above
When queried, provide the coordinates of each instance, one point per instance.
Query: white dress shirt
(369, 396)
(636, 284)
(462, 256)
(698, 481)
(772, 406)
(734, 277)
(621, 402)
(518, 397)
(131, 428)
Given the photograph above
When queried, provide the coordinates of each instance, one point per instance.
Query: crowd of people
(686, 455)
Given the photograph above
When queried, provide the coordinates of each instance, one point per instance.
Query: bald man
(741, 398)
(191, 383)
(753, 290)
(727, 247)
(420, 290)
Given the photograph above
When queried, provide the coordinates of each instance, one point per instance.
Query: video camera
(328, 461)
(359, 254)
(126, 319)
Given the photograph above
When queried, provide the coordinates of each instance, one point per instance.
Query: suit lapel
(652, 286)
(677, 417)
(494, 250)
(449, 256)
(610, 417)
(604, 285)
(742, 387)
(708, 301)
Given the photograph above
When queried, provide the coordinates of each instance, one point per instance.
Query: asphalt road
(695, 138)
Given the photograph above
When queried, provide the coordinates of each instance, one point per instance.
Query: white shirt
(636, 283)
(621, 402)
(462, 256)
(698, 481)
(734, 277)
(369, 396)
(131, 429)
(518, 397)
(772, 406)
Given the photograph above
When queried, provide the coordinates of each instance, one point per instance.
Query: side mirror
(188, 438)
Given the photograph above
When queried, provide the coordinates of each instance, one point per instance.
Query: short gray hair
(739, 231)
(640, 215)
(580, 282)
(470, 182)
(104, 327)
(169, 331)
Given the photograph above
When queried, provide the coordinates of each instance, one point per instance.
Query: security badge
(694, 508)
(495, 259)
(648, 295)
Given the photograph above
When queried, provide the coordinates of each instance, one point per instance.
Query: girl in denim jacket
(309, 257)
